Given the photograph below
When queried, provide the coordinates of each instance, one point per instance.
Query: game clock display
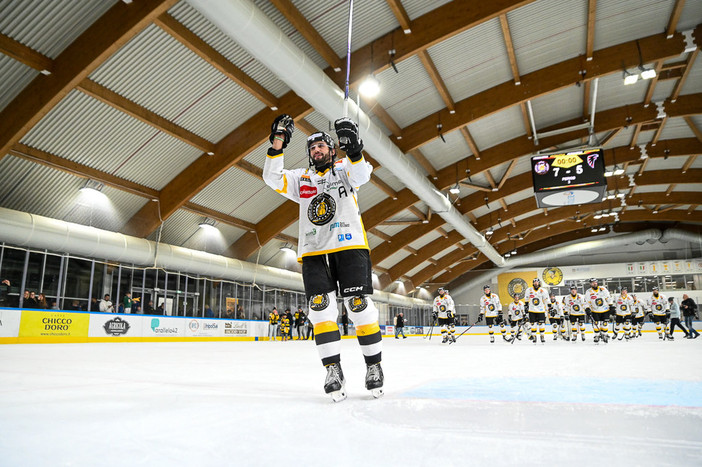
(569, 178)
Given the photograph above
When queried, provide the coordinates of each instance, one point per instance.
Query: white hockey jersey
(490, 305)
(575, 305)
(624, 304)
(598, 300)
(639, 309)
(515, 310)
(537, 299)
(444, 305)
(658, 305)
(330, 219)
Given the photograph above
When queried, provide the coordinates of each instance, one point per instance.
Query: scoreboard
(569, 178)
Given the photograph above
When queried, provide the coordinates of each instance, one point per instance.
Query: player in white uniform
(638, 316)
(515, 311)
(624, 306)
(445, 311)
(555, 315)
(491, 308)
(575, 307)
(536, 298)
(598, 302)
(332, 244)
(658, 304)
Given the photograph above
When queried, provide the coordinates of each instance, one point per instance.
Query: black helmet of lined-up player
(536, 281)
(486, 287)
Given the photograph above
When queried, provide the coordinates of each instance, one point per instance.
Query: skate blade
(377, 393)
(338, 396)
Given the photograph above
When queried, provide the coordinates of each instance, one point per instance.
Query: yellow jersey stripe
(325, 326)
(367, 329)
(284, 190)
(273, 157)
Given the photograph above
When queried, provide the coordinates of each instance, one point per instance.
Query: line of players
(626, 313)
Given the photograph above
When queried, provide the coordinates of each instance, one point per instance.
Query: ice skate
(374, 380)
(507, 339)
(444, 340)
(543, 339)
(555, 337)
(492, 339)
(596, 339)
(335, 382)
(453, 339)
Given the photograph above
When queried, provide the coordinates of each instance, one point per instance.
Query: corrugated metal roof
(388, 177)
(620, 21)
(623, 138)
(671, 163)
(425, 240)
(548, 32)
(15, 77)
(417, 8)
(369, 195)
(86, 131)
(371, 19)
(676, 128)
(443, 154)
(157, 72)
(691, 15)
(663, 90)
(693, 83)
(473, 61)
(223, 44)
(409, 95)
(497, 128)
(41, 190)
(613, 93)
(556, 107)
(393, 259)
(49, 26)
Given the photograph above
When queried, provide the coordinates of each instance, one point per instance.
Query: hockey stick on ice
(467, 329)
(431, 328)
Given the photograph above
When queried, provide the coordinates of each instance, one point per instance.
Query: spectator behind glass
(30, 300)
(106, 305)
(208, 312)
(41, 302)
(149, 308)
(4, 292)
(240, 312)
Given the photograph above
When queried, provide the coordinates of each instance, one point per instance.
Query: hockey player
(332, 245)
(491, 309)
(575, 307)
(536, 298)
(624, 305)
(445, 311)
(515, 311)
(658, 304)
(555, 314)
(637, 317)
(598, 302)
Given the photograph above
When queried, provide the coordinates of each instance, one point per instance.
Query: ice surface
(261, 403)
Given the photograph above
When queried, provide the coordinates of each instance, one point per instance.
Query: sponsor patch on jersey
(319, 302)
(358, 304)
(307, 191)
(442, 308)
(576, 307)
(348, 236)
(491, 307)
(340, 237)
(536, 301)
(322, 209)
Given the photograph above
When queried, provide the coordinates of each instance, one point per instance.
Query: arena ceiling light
(455, 190)
(370, 87)
(92, 187)
(287, 248)
(630, 78)
(208, 225)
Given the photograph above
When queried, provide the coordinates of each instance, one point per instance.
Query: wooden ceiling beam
(95, 45)
(208, 53)
(401, 15)
(635, 136)
(507, 35)
(688, 163)
(25, 55)
(696, 131)
(424, 162)
(525, 118)
(384, 187)
(539, 82)
(292, 14)
(689, 62)
(471, 142)
(507, 173)
(590, 40)
(674, 18)
(436, 79)
(383, 115)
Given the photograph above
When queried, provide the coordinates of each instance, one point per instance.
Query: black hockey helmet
(655, 287)
(441, 289)
(623, 288)
(326, 139)
(593, 279)
(536, 281)
(486, 286)
(573, 286)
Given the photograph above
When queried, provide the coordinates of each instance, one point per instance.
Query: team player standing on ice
(444, 310)
(332, 245)
(491, 308)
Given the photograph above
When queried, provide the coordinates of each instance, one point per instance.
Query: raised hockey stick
(348, 61)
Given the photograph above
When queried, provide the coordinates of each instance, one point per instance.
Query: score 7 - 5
(578, 170)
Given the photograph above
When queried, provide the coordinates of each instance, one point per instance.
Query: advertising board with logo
(234, 328)
(164, 327)
(48, 324)
(113, 325)
(203, 328)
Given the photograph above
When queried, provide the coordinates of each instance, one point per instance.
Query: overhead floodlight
(455, 189)
(208, 224)
(630, 78)
(597, 216)
(602, 229)
(287, 249)
(92, 187)
(593, 230)
(508, 254)
(648, 73)
(617, 171)
(370, 87)
(489, 231)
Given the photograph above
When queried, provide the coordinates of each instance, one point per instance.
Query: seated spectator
(30, 300)
(229, 314)
(41, 302)
(149, 308)
(53, 305)
(105, 305)
(208, 312)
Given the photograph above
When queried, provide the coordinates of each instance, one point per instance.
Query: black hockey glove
(434, 315)
(283, 126)
(612, 309)
(349, 141)
(480, 318)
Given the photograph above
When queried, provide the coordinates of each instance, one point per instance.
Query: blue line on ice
(629, 391)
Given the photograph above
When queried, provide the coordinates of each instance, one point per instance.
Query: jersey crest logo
(358, 304)
(322, 209)
(319, 302)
